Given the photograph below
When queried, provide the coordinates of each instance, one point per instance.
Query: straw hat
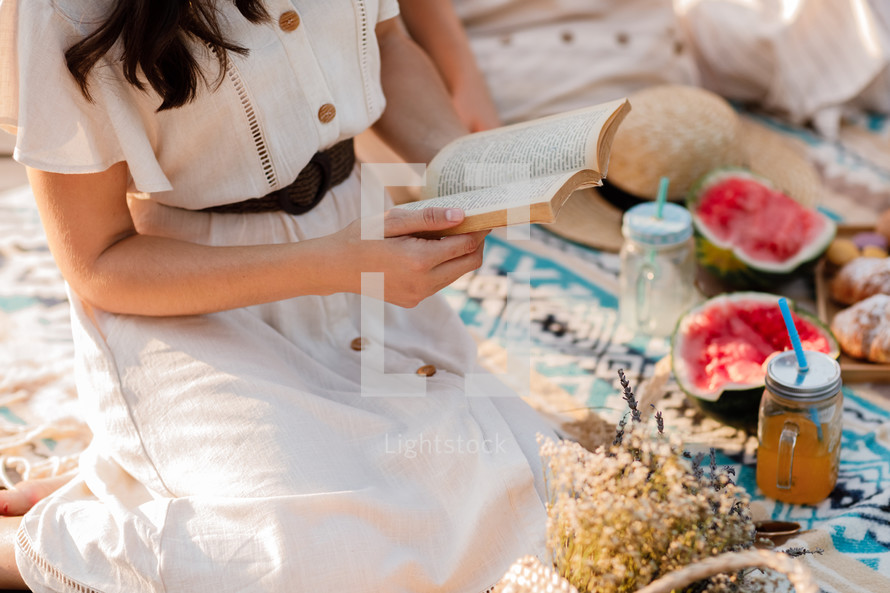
(680, 132)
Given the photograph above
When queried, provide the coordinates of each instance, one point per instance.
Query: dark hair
(153, 36)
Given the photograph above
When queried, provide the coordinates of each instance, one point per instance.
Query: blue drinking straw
(802, 366)
(792, 333)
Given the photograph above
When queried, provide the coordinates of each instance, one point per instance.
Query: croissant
(860, 279)
(863, 330)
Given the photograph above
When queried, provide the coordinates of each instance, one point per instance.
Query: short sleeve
(388, 9)
(57, 129)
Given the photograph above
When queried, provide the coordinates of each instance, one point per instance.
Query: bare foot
(27, 493)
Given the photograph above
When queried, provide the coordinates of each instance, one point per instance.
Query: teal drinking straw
(792, 333)
(660, 199)
(662, 196)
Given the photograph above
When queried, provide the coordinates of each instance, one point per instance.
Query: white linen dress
(235, 451)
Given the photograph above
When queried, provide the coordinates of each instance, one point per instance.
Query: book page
(500, 197)
(554, 144)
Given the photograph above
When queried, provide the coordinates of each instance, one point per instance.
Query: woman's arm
(435, 26)
(107, 263)
(419, 118)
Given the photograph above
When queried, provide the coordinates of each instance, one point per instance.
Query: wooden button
(289, 21)
(326, 113)
(427, 370)
(358, 344)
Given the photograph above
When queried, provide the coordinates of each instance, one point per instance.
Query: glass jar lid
(640, 224)
(819, 382)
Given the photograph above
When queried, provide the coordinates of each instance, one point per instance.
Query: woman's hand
(473, 102)
(412, 268)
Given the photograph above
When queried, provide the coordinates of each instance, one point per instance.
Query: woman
(239, 443)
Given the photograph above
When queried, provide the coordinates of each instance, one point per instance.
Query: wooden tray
(853, 370)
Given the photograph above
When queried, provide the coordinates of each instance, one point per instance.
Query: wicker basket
(529, 575)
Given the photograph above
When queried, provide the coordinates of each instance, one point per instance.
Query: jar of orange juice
(799, 428)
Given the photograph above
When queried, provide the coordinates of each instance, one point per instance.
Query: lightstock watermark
(422, 444)
(376, 382)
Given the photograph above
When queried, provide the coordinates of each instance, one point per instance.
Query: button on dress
(251, 449)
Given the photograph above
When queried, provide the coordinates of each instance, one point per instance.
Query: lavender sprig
(798, 552)
(713, 465)
(697, 469)
(619, 431)
(659, 419)
(629, 396)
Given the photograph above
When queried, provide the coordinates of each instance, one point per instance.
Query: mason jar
(657, 277)
(799, 428)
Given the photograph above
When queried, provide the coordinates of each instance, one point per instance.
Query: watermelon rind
(730, 263)
(735, 404)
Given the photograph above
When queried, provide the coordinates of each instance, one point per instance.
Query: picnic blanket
(577, 344)
(41, 432)
(541, 297)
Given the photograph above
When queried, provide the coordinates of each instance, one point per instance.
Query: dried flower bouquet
(642, 508)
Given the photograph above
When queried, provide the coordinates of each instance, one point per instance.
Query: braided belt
(325, 170)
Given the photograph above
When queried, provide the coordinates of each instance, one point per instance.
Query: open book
(523, 172)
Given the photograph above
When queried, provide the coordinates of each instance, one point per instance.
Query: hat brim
(590, 219)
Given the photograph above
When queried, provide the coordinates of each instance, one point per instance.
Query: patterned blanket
(574, 342)
(41, 432)
(577, 344)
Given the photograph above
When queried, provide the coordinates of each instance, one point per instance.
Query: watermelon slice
(750, 234)
(719, 351)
